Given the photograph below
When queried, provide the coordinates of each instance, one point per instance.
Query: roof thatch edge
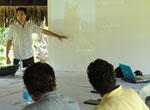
(35, 14)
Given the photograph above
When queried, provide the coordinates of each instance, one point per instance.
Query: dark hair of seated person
(102, 76)
(39, 78)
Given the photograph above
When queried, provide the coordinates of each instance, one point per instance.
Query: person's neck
(110, 91)
(101, 94)
(22, 23)
(36, 98)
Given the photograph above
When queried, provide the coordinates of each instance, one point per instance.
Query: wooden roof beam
(23, 2)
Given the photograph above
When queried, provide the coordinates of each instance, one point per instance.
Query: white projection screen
(114, 30)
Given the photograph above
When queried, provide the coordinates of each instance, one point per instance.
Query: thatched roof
(23, 2)
(37, 11)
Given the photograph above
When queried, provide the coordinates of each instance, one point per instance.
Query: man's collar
(119, 88)
(20, 24)
(48, 94)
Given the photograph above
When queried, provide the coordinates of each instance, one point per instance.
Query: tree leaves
(3, 34)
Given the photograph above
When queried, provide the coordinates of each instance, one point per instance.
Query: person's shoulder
(71, 103)
(30, 23)
(130, 91)
(26, 108)
(68, 99)
(30, 107)
(13, 25)
(102, 107)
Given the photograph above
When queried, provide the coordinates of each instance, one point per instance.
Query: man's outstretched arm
(49, 33)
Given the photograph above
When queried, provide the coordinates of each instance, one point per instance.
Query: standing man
(20, 36)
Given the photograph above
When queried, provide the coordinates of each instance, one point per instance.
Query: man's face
(21, 16)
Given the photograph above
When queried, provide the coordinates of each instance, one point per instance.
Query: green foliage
(2, 58)
(3, 34)
(35, 41)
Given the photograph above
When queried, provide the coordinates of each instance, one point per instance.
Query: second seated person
(102, 77)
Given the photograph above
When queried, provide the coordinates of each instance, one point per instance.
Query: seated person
(102, 77)
(39, 79)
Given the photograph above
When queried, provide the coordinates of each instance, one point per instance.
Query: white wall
(115, 30)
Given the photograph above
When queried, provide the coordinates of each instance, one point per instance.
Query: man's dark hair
(102, 76)
(39, 78)
(22, 9)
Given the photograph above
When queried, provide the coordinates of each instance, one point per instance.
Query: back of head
(22, 9)
(39, 78)
(102, 76)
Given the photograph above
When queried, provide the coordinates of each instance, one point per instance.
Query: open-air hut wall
(36, 11)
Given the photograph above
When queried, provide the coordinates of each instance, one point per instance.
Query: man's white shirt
(22, 39)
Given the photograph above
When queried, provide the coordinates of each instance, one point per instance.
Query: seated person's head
(102, 76)
(39, 79)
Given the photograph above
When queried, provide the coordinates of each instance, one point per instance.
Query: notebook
(130, 77)
(8, 70)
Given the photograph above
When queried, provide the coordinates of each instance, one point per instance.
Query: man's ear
(34, 98)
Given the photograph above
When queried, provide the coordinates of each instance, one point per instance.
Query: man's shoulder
(28, 107)
(71, 103)
(69, 100)
(30, 23)
(102, 107)
(32, 106)
(59, 100)
(128, 89)
(65, 99)
(13, 25)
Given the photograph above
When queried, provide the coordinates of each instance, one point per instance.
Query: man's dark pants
(26, 62)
